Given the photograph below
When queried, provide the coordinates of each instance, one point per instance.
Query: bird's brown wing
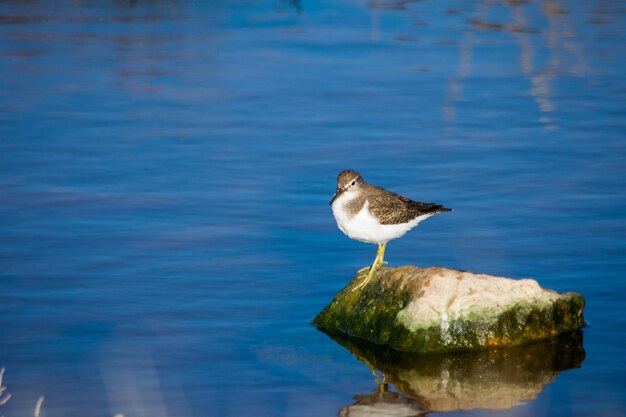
(391, 208)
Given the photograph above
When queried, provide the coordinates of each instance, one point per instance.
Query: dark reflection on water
(498, 378)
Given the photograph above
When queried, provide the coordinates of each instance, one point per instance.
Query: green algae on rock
(430, 310)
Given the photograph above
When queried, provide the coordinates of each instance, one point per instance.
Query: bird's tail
(438, 208)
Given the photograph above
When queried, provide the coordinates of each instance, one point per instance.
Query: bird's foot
(369, 268)
(369, 276)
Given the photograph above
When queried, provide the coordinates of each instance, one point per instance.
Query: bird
(371, 214)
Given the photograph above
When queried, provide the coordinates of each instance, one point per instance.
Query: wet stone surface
(432, 310)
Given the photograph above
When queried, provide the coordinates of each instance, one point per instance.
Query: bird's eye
(352, 183)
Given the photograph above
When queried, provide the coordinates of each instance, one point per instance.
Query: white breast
(364, 226)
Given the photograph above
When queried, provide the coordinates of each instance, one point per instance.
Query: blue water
(166, 168)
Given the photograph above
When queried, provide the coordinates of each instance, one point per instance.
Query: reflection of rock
(427, 310)
(386, 403)
(495, 378)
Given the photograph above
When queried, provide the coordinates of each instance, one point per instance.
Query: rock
(432, 310)
(495, 378)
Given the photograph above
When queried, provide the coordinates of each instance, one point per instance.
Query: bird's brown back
(391, 208)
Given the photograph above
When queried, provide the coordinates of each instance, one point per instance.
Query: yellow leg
(378, 262)
(381, 249)
(381, 380)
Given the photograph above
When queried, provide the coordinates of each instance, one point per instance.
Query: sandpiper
(372, 214)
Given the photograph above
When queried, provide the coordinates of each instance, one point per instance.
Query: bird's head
(347, 182)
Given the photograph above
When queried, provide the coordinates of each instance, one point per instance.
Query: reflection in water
(382, 403)
(498, 378)
(390, 4)
(455, 85)
(296, 4)
(541, 81)
(559, 40)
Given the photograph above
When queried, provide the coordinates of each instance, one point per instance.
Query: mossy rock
(432, 310)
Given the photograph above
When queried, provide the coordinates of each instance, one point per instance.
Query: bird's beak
(337, 194)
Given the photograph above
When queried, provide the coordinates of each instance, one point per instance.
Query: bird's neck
(350, 203)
